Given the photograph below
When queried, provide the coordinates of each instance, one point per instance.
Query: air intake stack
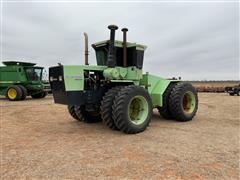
(124, 30)
(111, 62)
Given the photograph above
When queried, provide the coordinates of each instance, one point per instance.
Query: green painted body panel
(156, 86)
(74, 75)
(120, 73)
(135, 82)
(12, 74)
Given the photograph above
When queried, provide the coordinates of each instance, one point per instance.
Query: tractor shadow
(76, 127)
(27, 99)
(90, 130)
(158, 119)
(3, 99)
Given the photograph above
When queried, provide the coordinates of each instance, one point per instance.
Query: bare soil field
(40, 140)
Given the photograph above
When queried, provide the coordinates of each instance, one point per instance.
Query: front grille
(56, 78)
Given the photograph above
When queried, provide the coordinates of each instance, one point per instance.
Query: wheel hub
(138, 110)
(12, 93)
(188, 102)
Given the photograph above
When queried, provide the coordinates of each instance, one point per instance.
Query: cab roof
(119, 44)
(18, 63)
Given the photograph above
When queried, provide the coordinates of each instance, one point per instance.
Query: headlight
(60, 78)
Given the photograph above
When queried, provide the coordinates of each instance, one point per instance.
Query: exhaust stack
(111, 62)
(124, 30)
(86, 48)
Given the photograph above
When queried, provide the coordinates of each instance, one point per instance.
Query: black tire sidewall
(164, 110)
(71, 110)
(86, 116)
(39, 95)
(44, 94)
(24, 92)
(106, 107)
(178, 111)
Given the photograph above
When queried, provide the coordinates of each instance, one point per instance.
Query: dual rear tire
(80, 114)
(128, 109)
(16, 93)
(39, 95)
(180, 102)
(19, 92)
(124, 108)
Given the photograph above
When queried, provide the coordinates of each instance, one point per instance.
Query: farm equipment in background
(215, 86)
(116, 91)
(233, 90)
(21, 79)
(210, 89)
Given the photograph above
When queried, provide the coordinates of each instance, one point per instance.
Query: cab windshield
(34, 74)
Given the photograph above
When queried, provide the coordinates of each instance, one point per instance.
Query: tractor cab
(135, 53)
(34, 73)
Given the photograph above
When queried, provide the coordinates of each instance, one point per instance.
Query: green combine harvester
(21, 79)
(116, 91)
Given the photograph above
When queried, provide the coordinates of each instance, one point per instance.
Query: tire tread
(71, 110)
(106, 107)
(118, 110)
(175, 103)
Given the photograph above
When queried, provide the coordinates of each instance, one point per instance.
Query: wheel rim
(12, 93)
(138, 110)
(188, 102)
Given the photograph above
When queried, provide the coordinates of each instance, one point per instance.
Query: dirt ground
(40, 140)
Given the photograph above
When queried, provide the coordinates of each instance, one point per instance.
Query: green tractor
(116, 91)
(21, 79)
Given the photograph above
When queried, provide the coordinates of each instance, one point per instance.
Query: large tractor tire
(183, 102)
(71, 110)
(86, 116)
(44, 94)
(14, 93)
(24, 92)
(132, 109)
(164, 110)
(39, 95)
(106, 107)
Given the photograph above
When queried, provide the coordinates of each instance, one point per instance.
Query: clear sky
(197, 41)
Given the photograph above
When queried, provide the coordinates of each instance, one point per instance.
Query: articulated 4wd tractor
(117, 92)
